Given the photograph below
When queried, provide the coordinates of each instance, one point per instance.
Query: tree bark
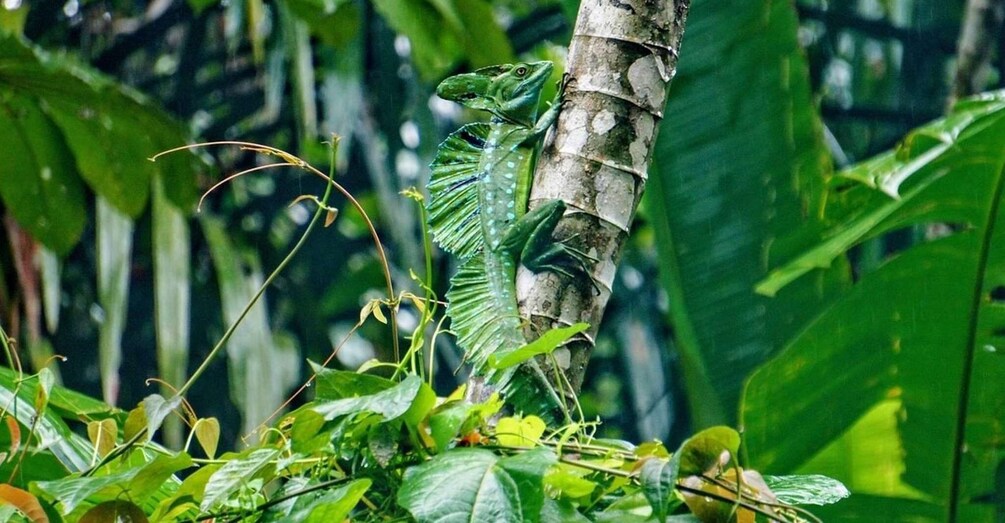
(982, 25)
(622, 58)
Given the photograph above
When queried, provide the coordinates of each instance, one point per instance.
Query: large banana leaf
(898, 388)
(740, 164)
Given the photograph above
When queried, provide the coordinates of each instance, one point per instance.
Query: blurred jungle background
(105, 261)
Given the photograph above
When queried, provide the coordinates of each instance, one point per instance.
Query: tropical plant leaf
(738, 169)
(659, 478)
(237, 471)
(807, 490)
(921, 334)
(546, 344)
(477, 485)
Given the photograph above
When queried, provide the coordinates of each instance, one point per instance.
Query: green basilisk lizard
(479, 189)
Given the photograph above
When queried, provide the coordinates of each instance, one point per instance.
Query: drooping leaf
(115, 244)
(658, 478)
(920, 334)
(172, 296)
(207, 433)
(155, 409)
(39, 183)
(739, 166)
(704, 450)
(24, 501)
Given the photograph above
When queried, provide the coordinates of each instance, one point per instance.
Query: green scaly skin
(478, 211)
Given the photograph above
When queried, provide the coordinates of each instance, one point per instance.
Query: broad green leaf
(39, 183)
(138, 481)
(330, 505)
(156, 473)
(454, 417)
(738, 169)
(556, 511)
(631, 508)
(338, 384)
(68, 493)
(238, 470)
(477, 485)
(546, 344)
(659, 478)
(389, 404)
(807, 490)
(444, 32)
(921, 333)
(110, 130)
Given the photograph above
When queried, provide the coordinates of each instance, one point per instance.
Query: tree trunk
(982, 25)
(622, 58)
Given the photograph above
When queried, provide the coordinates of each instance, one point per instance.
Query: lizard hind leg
(531, 239)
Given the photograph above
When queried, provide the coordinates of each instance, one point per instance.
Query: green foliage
(738, 173)
(905, 367)
(369, 448)
(70, 126)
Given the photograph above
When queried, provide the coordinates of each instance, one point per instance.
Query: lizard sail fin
(476, 320)
(453, 191)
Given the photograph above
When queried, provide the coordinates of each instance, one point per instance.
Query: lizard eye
(520, 71)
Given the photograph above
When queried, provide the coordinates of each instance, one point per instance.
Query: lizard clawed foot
(562, 258)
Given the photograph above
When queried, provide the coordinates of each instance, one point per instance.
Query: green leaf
(546, 344)
(155, 409)
(64, 450)
(68, 493)
(39, 183)
(237, 471)
(659, 478)
(156, 473)
(389, 404)
(477, 485)
(913, 349)
(806, 490)
(338, 384)
(569, 481)
(737, 191)
(331, 505)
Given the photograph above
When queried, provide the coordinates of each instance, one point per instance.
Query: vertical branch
(622, 58)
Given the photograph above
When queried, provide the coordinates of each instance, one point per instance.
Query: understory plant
(375, 444)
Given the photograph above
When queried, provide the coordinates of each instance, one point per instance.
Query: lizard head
(509, 91)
